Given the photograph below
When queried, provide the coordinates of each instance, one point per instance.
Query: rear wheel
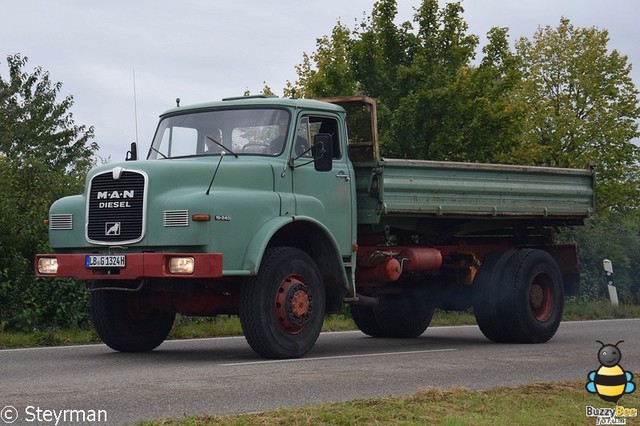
(535, 293)
(519, 297)
(365, 320)
(282, 307)
(403, 316)
(488, 299)
(400, 316)
(126, 323)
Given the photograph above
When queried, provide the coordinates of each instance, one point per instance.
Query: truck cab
(221, 186)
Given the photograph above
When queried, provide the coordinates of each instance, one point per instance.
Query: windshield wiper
(155, 150)
(221, 146)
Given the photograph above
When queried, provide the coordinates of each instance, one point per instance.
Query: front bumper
(137, 266)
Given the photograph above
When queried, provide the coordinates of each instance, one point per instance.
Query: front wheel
(125, 322)
(282, 307)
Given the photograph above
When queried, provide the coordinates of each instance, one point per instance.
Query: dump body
(405, 188)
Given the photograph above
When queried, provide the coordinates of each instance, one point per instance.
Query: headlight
(48, 265)
(182, 265)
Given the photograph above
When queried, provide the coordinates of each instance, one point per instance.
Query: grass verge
(223, 325)
(537, 404)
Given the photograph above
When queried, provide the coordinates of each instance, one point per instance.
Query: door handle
(344, 176)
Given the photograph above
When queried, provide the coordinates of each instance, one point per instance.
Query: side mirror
(322, 152)
(132, 154)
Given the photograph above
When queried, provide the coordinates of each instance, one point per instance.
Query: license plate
(105, 261)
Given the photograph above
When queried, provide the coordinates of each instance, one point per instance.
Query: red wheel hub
(541, 298)
(293, 304)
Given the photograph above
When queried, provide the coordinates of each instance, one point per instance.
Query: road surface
(223, 375)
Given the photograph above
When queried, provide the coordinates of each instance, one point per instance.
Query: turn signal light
(182, 265)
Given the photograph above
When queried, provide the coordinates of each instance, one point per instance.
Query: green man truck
(282, 210)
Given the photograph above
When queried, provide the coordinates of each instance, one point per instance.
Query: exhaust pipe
(361, 300)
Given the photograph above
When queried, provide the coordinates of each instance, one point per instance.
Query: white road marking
(322, 358)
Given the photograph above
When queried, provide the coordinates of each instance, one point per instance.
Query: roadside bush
(615, 237)
(44, 155)
(29, 304)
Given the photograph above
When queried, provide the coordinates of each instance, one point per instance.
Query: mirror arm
(292, 160)
(295, 166)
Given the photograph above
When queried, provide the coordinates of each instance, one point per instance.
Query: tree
(432, 104)
(458, 111)
(582, 108)
(560, 100)
(44, 155)
(332, 75)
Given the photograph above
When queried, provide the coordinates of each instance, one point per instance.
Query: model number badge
(222, 217)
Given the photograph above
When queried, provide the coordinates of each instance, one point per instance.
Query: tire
(519, 297)
(365, 320)
(535, 296)
(488, 299)
(124, 324)
(403, 316)
(282, 307)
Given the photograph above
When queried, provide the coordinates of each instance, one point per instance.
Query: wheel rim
(293, 304)
(541, 297)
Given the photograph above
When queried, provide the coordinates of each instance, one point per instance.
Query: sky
(205, 50)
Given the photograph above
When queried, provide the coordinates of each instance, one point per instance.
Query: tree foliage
(44, 155)
(562, 99)
(582, 108)
(432, 103)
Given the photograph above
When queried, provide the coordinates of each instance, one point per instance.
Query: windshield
(242, 131)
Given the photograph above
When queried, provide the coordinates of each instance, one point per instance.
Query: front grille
(116, 208)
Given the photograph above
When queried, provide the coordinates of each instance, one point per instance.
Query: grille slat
(116, 208)
(61, 222)
(175, 218)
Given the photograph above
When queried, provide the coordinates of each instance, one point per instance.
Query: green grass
(537, 404)
(52, 337)
(224, 325)
(598, 310)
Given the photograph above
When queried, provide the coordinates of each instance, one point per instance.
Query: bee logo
(610, 381)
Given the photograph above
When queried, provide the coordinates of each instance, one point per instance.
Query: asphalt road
(223, 375)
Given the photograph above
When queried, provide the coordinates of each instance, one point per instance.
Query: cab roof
(256, 101)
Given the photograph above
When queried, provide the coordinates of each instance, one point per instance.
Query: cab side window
(312, 125)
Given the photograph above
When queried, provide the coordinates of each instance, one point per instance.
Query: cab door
(324, 196)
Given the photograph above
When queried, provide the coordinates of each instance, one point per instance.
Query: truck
(281, 211)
